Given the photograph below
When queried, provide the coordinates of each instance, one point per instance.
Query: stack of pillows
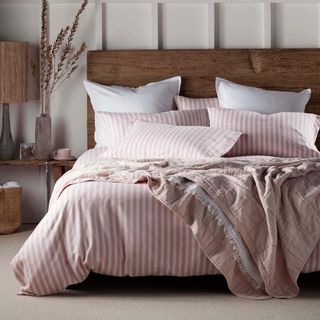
(142, 123)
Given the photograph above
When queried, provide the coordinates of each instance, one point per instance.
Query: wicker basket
(10, 209)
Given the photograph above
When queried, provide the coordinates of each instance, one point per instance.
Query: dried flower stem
(52, 73)
(43, 52)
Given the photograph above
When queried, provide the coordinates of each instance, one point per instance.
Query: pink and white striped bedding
(312, 265)
(186, 103)
(111, 228)
(116, 125)
(284, 134)
(147, 140)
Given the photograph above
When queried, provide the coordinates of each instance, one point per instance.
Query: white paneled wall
(138, 24)
(171, 24)
(183, 25)
(127, 26)
(240, 25)
(295, 24)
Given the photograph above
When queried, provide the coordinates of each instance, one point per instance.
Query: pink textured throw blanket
(256, 222)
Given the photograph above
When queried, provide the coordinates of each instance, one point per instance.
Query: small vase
(43, 137)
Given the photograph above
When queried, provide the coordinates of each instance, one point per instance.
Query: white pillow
(239, 97)
(153, 97)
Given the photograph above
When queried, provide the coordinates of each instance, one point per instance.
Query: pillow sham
(185, 103)
(240, 97)
(153, 97)
(285, 134)
(147, 140)
(115, 125)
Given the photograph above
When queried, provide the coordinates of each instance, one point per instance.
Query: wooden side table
(59, 168)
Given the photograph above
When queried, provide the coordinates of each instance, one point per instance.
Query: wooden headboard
(278, 69)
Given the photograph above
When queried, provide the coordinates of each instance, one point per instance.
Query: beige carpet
(152, 298)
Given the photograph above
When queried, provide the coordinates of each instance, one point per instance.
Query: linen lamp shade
(13, 88)
(13, 72)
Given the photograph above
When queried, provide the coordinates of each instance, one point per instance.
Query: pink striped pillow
(116, 125)
(285, 134)
(185, 103)
(147, 140)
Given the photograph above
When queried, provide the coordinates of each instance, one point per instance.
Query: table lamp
(13, 88)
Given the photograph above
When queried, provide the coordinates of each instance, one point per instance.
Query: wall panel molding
(267, 25)
(258, 33)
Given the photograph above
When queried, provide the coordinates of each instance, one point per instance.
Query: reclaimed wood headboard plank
(276, 69)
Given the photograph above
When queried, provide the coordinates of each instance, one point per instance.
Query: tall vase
(43, 137)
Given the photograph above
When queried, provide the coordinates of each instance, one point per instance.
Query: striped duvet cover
(110, 228)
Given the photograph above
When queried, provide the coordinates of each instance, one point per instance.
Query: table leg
(58, 172)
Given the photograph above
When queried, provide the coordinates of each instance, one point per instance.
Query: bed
(122, 229)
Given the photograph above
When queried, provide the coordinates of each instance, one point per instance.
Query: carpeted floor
(146, 298)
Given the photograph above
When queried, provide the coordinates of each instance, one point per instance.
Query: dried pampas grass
(58, 60)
